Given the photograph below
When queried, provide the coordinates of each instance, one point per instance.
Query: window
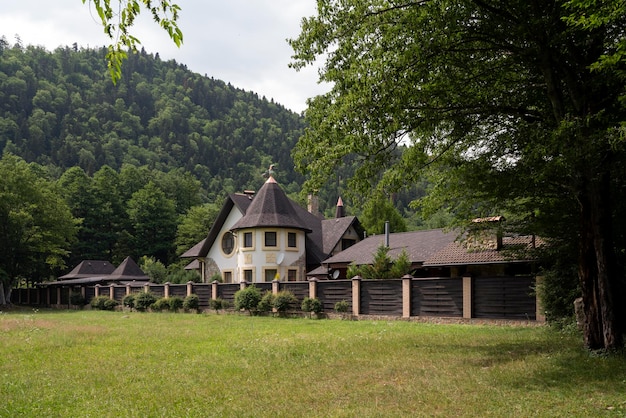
(247, 275)
(247, 239)
(228, 243)
(228, 277)
(346, 243)
(270, 239)
(270, 274)
(292, 275)
(291, 240)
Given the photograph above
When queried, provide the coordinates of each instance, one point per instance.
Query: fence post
(166, 290)
(189, 288)
(275, 287)
(214, 289)
(356, 295)
(242, 284)
(127, 288)
(96, 290)
(406, 296)
(112, 291)
(467, 297)
(540, 314)
(146, 288)
(313, 288)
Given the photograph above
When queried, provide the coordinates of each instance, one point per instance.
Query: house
(265, 236)
(418, 245)
(91, 272)
(480, 251)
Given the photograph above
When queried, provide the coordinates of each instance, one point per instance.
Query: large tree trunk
(597, 266)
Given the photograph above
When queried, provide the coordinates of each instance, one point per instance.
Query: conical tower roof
(128, 270)
(271, 208)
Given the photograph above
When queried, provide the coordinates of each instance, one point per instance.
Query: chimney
(485, 233)
(340, 212)
(313, 205)
(387, 234)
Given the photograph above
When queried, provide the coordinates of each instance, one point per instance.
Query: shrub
(342, 307)
(216, 277)
(162, 304)
(77, 299)
(144, 300)
(312, 305)
(216, 304)
(247, 298)
(266, 303)
(191, 303)
(284, 300)
(103, 303)
(129, 301)
(176, 303)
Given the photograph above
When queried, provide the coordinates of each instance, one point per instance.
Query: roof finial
(270, 171)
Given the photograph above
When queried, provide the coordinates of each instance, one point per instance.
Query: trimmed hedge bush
(284, 300)
(161, 304)
(266, 303)
(144, 300)
(247, 299)
(129, 301)
(176, 303)
(103, 303)
(191, 303)
(312, 305)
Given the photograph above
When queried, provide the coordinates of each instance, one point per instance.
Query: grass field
(121, 364)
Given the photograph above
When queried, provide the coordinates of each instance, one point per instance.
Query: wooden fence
(467, 297)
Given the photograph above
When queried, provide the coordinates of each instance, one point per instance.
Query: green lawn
(120, 364)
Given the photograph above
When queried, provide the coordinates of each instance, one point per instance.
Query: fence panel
(504, 298)
(437, 297)
(90, 293)
(226, 291)
(158, 290)
(179, 290)
(203, 291)
(299, 289)
(119, 292)
(333, 291)
(381, 297)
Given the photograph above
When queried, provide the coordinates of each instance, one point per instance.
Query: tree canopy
(36, 226)
(502, 104)
(117, 25)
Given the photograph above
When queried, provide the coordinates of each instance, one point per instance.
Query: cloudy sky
(238, 41)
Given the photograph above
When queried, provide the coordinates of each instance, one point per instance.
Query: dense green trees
(60, 109)
(505, 99)
(36, 226)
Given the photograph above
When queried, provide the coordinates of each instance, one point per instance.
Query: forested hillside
(60, 109)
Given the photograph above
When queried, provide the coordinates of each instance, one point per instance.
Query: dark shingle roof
(419, 245)
(89, 268)
(456, 253)
(333, 230)
(128, 270)
(271, 208)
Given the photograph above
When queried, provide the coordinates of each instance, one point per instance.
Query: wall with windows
(266, 254)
